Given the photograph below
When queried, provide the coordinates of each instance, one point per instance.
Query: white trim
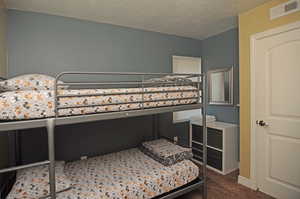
(252, 116)
(254, 38)
(186, 57)
(247, 182)
(181, 121)
(275, 31)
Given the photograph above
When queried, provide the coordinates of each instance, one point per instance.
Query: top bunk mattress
(127, 174)
(34, 104)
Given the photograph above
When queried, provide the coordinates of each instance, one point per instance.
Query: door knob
(261, 123)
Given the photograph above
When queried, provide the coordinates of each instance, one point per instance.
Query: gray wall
(169, 129)
(39, 43)
(221, 51)
(88, 139)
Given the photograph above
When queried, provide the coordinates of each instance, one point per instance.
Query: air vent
(284, 9)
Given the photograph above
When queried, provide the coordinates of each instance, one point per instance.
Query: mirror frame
(227, 69)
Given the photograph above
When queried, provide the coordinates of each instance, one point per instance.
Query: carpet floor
(225, 187)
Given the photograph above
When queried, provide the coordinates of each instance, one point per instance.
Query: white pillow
(33, 182)
(28, 82)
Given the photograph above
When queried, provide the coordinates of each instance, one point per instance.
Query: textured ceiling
(189, 18)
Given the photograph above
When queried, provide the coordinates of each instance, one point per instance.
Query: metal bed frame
(51, 123)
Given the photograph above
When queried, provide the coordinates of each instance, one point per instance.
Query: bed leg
(51, 154)
(204, 103)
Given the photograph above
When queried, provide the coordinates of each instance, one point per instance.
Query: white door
(276, 62)
(186, 65)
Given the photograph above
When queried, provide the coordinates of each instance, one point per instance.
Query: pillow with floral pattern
(33, 183)
(28, 82)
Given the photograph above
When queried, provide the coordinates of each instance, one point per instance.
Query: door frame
(254, 38)
(199, 59)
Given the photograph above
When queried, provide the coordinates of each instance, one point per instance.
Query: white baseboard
(247, 182)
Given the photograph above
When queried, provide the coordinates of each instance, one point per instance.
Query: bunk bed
(118, 99)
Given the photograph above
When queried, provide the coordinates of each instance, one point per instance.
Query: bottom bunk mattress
(127, 174)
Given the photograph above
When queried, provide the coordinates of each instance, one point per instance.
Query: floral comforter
(33, 104)
(127, 174)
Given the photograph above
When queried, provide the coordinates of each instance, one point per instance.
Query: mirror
(220, 86)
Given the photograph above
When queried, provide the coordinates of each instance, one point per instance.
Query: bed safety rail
(142, 81)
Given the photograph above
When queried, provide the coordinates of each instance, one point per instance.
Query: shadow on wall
(88, 139)
(169, 129)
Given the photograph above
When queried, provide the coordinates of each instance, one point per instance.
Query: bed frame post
(204, 101)
(51, 153)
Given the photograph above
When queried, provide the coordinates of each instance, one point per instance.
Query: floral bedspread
(33, 104)
(127, 174)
